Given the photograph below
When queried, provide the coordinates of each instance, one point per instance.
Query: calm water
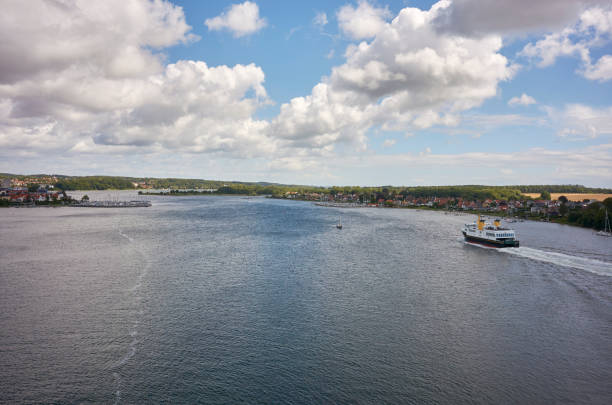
(234, 300)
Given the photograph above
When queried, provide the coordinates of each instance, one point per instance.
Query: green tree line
(233, 187)
(94, 183)
(593, 216)
(563, 188)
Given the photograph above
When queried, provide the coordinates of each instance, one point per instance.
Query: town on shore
(586, 212)
(39, 191)
(568, 204)
(16, 193)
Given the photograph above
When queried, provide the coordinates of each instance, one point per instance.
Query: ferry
(490, 234)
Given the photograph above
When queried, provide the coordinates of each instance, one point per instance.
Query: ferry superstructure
(493, 235)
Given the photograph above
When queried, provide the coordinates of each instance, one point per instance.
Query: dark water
(233, 300)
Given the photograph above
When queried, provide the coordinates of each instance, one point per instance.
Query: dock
(341, 205)
(113, 204)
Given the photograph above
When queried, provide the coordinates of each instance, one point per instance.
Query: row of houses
(294, 195)
(534, 207)
(22, 195)
(47, 181)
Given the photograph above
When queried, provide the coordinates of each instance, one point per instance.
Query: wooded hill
(469, 192)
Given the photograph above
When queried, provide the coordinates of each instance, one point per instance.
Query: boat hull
(491, 243)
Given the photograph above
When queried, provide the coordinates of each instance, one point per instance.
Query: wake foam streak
(591, 265)
(134, 291)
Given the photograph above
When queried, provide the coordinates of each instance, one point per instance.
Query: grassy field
(572, 196)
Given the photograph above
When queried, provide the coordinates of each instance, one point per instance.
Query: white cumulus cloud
(592, 30)
(241, 19)
(363, 21)
(523, 100)
(388, 143)
(79, 78)
(579, 121)
(79, 33)
(409, 76)
(601, 70)
(97, 85)
(478, 17)
(320, 19)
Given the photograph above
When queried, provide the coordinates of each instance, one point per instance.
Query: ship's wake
(582, 263)
(125, 236)
(137, 305)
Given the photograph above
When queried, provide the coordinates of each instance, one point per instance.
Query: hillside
(473, 192)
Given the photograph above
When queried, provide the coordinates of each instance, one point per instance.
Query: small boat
(606, 231)
(339, 224)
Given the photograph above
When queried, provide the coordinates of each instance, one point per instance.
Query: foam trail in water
(128, 355)
(591, 265)
(118, 391)
(125, 236)
(137, 302)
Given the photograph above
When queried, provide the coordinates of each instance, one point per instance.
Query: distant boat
(339, 224)
(606, 231)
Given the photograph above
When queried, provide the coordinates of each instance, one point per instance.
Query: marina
(113, 204)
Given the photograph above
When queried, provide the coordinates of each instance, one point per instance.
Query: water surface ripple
(231, 300)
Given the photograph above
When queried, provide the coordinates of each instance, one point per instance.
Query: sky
(320, 92)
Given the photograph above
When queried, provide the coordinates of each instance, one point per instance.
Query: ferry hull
(491, 243)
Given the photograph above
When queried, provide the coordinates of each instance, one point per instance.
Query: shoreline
(196, 194)
(455, 212)
(341, 205)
